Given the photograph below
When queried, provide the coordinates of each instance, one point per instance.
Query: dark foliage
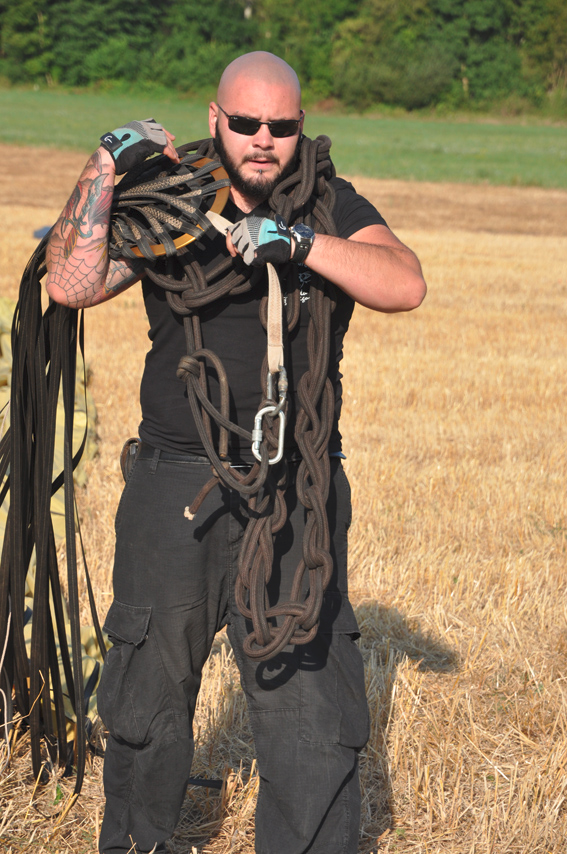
(409, 53)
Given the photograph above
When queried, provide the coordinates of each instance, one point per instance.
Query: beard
(259, 188)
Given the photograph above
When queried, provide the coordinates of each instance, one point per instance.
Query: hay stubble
(454, 429)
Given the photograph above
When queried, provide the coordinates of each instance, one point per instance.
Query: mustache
(262, 155)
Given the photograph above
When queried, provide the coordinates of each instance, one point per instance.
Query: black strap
(44, 352)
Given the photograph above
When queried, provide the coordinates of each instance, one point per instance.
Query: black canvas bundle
(44, 356)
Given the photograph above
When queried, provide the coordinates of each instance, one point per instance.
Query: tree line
(408, 53)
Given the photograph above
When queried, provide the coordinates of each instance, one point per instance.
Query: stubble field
(454, 426)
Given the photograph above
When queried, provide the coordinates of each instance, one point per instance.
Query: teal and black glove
(260, 240)
(132, 143)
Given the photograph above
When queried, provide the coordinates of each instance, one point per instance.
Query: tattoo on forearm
(120, 275)
(78, 254)
(82, 217)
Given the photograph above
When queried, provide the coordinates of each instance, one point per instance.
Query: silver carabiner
(258, 434)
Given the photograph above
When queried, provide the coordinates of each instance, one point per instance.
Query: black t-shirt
(232, 330)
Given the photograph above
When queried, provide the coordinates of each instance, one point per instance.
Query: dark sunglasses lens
(239, 124)
(287, 127)
(248, 127)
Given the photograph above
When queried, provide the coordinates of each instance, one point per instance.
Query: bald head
(263, 90)
(258, 66)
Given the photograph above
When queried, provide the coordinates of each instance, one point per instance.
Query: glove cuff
(110, 142)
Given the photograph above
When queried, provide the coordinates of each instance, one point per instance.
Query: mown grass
(455, 432)
(406, 148)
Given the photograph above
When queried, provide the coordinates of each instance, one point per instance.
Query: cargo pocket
(334, 709)
(133, 697)
(320, 715)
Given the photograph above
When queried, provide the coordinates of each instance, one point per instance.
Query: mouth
(260, 164)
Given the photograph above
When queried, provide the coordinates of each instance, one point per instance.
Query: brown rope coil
(305, 196)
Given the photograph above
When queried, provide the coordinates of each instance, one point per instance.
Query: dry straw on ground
(454, 426)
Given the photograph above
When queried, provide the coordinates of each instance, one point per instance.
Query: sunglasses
(249, 127)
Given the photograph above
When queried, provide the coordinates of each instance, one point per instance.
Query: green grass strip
(468, 152)
(405, 148)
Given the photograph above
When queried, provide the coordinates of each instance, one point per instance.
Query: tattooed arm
(80, 273)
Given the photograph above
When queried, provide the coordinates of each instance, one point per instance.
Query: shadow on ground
(387, 639)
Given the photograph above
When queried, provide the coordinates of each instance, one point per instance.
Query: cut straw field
(455, 431)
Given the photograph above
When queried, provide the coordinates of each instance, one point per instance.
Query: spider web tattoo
(79, 262)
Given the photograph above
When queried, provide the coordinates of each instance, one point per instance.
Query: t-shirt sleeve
(352, 211)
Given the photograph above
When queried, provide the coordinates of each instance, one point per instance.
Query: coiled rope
(305, 196)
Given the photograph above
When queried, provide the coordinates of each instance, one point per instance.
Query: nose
(263, 138)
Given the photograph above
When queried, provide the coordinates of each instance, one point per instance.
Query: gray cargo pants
(173, 589)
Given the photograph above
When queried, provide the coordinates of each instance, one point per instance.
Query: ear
(213, 118)
(302, 119)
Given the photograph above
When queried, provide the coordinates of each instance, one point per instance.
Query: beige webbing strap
(221, 223)
(275, 335)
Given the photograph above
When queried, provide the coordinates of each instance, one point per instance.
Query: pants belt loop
(155, 461)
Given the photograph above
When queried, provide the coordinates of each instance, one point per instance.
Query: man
(174, 576)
